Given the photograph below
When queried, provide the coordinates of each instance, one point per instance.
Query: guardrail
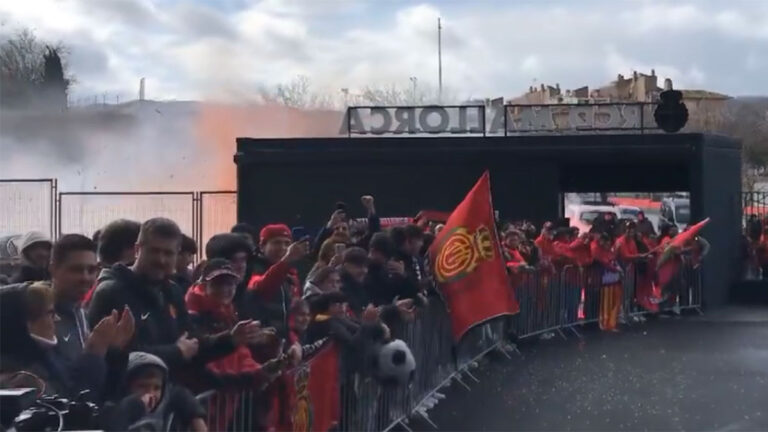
(550, 302)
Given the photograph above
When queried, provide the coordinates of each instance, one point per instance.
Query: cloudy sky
(231, 48)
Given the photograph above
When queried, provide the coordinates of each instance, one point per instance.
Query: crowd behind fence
(560, 302)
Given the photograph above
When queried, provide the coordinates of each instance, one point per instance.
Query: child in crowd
(150, 400)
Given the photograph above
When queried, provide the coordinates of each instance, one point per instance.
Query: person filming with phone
(275, 282)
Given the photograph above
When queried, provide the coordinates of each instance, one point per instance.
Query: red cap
(270, 232)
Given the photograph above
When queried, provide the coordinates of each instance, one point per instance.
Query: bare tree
(298, 93)
(32, 71)
(743, 118)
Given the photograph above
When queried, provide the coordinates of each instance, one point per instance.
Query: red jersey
(626, 248)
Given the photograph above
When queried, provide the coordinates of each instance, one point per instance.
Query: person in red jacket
(515, 260)
(211, 310)
(626, 246)
(275, 282)
(611, 286)
(546, 242)
(637, 265)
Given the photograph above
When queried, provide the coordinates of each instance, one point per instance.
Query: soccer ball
(396, 364)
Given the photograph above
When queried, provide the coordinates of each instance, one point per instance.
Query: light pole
(414, 81)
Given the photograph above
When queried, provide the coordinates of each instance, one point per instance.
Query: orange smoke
(218, 126)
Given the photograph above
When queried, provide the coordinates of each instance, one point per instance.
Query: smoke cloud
(146, 145)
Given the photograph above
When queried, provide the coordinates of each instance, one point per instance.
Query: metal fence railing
(36, 205)
(217, 212)
(550, 301)
(86, 212)
(27, 205)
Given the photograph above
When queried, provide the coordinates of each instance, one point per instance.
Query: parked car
(583, 215)
(675, 211)
(629, 212)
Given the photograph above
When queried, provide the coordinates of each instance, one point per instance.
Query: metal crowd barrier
(550, 302)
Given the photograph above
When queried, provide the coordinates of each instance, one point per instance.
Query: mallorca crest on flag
(468, 265)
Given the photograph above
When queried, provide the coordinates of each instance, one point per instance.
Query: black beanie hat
(226, 245)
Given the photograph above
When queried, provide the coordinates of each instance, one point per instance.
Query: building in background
(705, 107)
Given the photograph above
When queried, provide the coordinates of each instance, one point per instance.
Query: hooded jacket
(160, 313)
(131, 411)
(19, 352)
(28, 272)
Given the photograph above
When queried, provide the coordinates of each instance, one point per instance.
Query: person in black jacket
(28, 349)
(73, 272)
(354, 268)
(183, 276)
(116, 244)
(386, 279)
(409, 241)
(162, 320)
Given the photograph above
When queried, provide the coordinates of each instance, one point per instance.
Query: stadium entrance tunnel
(529, 174)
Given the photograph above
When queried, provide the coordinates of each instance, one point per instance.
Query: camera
(57, 413)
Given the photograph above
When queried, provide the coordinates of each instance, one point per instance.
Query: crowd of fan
(124, 315)
(610, 250)
(610, 243)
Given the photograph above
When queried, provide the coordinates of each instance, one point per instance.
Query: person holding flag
(468, 264)
(668, 266)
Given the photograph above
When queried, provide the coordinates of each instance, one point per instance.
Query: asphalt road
(696, 373)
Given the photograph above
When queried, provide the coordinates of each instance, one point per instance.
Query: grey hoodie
(31, 238)
(131, 412)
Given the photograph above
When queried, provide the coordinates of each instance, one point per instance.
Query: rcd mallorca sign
(477, 119)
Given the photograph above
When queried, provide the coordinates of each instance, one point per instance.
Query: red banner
(312, 393)
(468, 265)
(670, 262)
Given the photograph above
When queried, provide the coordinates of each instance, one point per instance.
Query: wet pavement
(695, 373)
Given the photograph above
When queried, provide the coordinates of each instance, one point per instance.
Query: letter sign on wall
(479, 119)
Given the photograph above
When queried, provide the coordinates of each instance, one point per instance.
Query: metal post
(54, 208)
(349, 122)
(506, 113)
(58, 211)
(485, 126)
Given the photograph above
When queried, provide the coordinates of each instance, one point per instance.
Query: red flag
(313, 393)
(669, 264)
(468, 265)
